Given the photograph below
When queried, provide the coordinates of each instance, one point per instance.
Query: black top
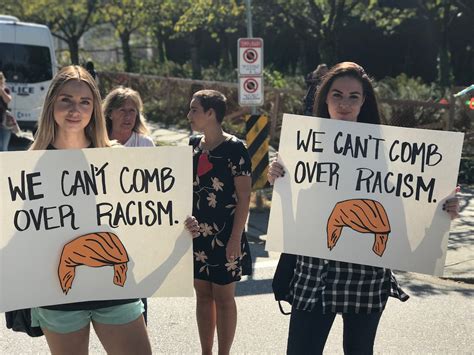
(87, 305)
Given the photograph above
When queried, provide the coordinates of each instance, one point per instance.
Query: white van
(28, 61)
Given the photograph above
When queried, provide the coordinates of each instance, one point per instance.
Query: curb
(462, 279)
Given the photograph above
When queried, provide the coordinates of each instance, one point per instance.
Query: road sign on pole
(250, 56)
(250, 91)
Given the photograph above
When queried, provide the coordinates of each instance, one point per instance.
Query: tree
(320, 22)
(67, 19)
(442, 14)
(163, 15)
(13, 8)
(216, 17)
(126, 16)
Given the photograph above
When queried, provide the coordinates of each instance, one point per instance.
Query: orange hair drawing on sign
(94, 250)
(364, 216)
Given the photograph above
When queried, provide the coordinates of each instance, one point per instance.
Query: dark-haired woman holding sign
(323, 288)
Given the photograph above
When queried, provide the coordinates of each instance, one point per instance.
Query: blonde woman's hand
(451, 205)
(192, 225)
(275, 170)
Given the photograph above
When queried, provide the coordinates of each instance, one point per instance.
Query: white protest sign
(363, 193)
(94, 224)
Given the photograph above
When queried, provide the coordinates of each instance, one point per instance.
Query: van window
(22, 63)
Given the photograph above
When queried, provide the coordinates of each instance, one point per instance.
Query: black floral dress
(214, 201)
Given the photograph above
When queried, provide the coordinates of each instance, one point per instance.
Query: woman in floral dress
(222, 185)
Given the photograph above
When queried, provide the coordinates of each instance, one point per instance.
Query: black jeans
(309, 331)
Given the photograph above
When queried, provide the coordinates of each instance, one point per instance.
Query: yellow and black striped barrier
(258, 127)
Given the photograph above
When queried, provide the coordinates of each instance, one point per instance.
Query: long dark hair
(369, 112)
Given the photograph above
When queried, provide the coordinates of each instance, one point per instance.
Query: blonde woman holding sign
(72, 119)
(323, 288)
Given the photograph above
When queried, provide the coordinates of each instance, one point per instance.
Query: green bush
(405, 88)
(466, 171)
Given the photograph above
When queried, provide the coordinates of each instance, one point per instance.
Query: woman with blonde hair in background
(123, 110)
(72, 119)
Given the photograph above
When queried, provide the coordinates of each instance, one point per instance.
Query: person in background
(90, 68)
(72, 119)
(323, 288)
(5, 98)
(123, 111)
(222, 186)
(312, 81)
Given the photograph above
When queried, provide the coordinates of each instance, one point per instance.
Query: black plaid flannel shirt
(342, 287)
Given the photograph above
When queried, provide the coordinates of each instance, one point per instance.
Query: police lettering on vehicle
(23, 90)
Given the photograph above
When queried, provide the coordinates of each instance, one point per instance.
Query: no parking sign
(250, 91)
(250, 56)
(250, 60)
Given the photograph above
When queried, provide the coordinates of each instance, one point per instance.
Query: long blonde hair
(95, 131)
(115, 99)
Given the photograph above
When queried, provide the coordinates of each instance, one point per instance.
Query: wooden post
(452, 111)
(274, 115)
(258, 200)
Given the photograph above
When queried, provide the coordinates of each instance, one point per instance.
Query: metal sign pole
(253, 110)
(248, 3)
(249, 18)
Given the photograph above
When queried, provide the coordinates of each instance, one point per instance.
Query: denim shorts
(70, 321)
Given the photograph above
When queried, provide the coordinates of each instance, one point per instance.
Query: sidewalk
(164, 136)
(459, 265)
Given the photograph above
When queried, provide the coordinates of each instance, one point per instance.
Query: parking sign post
(250, 91)
(250, 59)
(250, 62)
